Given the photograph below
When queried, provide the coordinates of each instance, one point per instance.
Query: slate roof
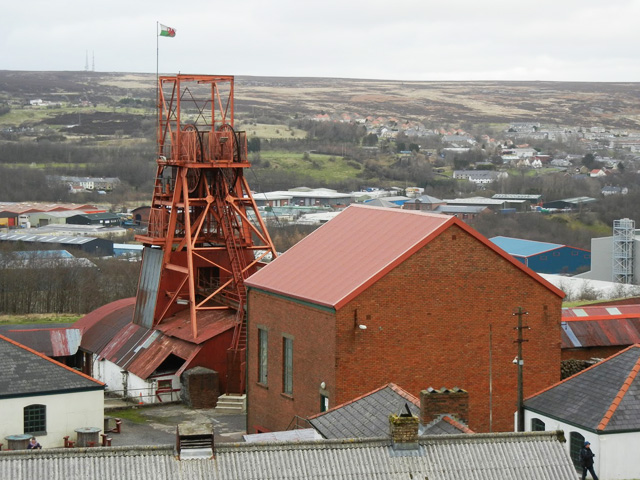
(604, 398)
(25, 372)
(444, 425)
(366, 416)
(361, 253)
(505, 456)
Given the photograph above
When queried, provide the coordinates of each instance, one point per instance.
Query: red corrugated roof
(109, 333)
(210, 324)
(601, 326)
(147, 360)
(351, 252)
(599, 312)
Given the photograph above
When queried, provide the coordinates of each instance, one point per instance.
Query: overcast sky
(574, 40)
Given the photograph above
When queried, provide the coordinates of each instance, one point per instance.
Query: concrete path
(160, 422)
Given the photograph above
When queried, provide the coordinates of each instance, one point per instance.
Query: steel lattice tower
(205, 234)
(623, 235)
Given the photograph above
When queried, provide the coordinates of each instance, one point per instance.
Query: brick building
(383, 295)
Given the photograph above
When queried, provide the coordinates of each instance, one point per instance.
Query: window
(324, 403)
(576, 442)
(537, 425)
(35, 419)
(287, 365)
(262, 356)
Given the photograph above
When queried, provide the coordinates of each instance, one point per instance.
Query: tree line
(32, 284)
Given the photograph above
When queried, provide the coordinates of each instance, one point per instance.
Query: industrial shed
(92, 245)
(104, 219)
(543, 257)
(510, 456)
(147, 363)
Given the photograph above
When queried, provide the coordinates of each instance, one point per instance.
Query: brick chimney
(404, 430)
(438, 402)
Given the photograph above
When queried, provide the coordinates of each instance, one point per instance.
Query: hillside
(607, 104)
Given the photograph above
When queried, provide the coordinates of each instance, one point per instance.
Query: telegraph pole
(520, 361)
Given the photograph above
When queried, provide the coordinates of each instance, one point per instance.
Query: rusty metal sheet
(122, 347)
(65, 341)
(147, 360)
(148, 286)
(601, 333)
(52, 342)
(210, 324)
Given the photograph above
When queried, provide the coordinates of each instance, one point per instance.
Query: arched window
(35, 419)
(576, 442)
(537, 425)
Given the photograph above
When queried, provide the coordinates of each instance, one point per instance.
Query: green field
(321, 167)
(38, 318)
(270, 131)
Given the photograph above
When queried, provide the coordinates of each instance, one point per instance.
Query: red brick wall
(427, 325)
(313, 333)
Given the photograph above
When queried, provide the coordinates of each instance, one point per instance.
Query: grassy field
(322, 167)
(271, 131)
(39, 318)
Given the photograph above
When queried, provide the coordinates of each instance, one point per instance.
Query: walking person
(586, 459)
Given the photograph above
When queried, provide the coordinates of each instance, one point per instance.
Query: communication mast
(205, 235)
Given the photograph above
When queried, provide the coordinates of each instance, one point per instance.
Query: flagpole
(157, 78)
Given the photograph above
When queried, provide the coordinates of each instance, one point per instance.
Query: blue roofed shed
(543, 257)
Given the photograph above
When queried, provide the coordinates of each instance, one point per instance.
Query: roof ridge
(583, 371)
(619, 396)
(353, 400)
(451, 419)
(403, 393)
(55, 362)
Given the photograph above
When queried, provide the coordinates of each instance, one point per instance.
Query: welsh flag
(167, 31)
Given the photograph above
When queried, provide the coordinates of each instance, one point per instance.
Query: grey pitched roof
(509, 456)
(603, 398)
(24, 372)
(366, 416)
(444, 425)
